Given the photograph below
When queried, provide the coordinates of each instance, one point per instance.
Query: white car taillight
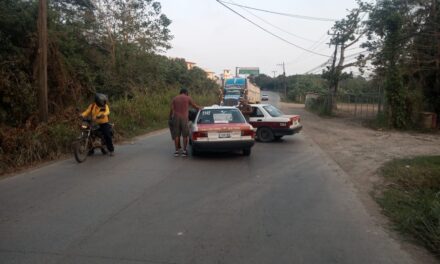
(196, 135)
(248, 132)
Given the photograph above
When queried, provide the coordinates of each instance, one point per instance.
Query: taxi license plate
(224, 135)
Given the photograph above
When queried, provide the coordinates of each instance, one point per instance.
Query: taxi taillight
(196, 135)
(248, 132)
(293, 119)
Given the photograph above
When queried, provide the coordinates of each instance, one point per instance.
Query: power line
(275, 26)
(313, 47)
(319, 66)
(326, 63)
(280, 13)
(355, 54)
(269, 32)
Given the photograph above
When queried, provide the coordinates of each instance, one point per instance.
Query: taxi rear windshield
(220, 116)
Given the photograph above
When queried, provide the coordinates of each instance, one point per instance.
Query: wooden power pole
(42, 61)
(333, 80)
(284, 79)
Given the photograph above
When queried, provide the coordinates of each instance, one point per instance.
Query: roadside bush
(412, 198)
(84, 58)
(319, 105)
(28, 145)
(380, 122)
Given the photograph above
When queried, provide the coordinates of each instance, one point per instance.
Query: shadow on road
(227, 155)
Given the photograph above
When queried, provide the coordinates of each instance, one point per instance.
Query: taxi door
(257, 118)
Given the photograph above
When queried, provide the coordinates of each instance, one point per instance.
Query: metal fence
(363, 106)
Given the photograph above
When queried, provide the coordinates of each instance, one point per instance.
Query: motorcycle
(90, 139)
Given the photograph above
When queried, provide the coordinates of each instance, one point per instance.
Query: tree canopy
(111, 46)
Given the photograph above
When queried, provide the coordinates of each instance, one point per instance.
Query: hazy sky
(207, 33)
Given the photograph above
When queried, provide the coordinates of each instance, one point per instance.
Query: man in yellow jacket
(99, 111)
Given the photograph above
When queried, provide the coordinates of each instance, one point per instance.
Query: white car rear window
(220, 116)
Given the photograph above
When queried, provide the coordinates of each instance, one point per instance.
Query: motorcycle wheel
(81, 150)
(104, 151)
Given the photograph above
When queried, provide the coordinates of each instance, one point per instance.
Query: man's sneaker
(176, 153)
(185, 153)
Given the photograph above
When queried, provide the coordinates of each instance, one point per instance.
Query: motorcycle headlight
(84, 126)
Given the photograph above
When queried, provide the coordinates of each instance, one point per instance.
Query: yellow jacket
(99, 114)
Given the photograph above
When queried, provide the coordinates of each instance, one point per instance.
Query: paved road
(286, 203)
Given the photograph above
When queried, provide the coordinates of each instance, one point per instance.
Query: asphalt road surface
(286, 203)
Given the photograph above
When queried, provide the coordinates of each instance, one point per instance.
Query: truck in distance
(235, 89)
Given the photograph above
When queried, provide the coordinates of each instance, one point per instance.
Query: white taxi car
(221, 128)
(271, 123)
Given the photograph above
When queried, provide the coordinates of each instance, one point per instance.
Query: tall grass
(412, 198)
(24, 146)
(28, 145)
(320, 105)
(144, 113)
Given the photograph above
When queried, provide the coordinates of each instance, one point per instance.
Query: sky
(207, 33)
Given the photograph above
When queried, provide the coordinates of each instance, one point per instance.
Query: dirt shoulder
(361, 151)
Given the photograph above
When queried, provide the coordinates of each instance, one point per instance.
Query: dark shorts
(180, 127)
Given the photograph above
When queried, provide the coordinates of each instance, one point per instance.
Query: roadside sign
(249, 70)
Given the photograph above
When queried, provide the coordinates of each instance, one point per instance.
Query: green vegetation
(299, 85)
(22, 146)
(387, 21)
(412, 198)
(112, 47)
(146, 113)
(403, 40)
(346, 32)
(319, 105)
(401, 52)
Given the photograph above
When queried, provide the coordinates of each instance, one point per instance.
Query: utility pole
(334, 56)
(274, 73)
(297, 88)
(284, 79)
(42, 61)
(333, 73)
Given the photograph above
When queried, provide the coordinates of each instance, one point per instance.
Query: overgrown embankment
(411, 198)
(29, 145)
(93, 47)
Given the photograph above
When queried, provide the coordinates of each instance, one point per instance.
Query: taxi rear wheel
(265, 134)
